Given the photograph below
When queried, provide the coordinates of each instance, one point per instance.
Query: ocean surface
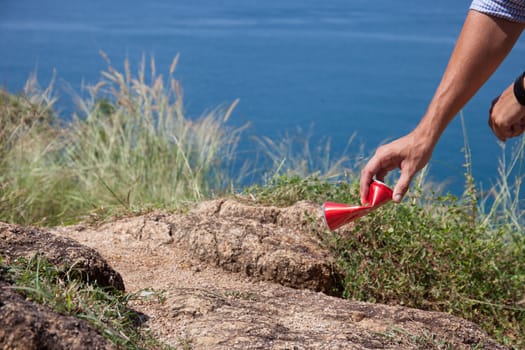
(334, 67)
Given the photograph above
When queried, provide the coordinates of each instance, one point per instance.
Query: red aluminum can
(337, 214)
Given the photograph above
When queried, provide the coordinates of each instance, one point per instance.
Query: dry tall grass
(129, 148)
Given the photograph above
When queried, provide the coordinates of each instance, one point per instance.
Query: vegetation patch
(430, 252)
(106, 309)
(131, 149)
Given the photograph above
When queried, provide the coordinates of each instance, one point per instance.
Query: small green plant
(106, 309)
(286, 190)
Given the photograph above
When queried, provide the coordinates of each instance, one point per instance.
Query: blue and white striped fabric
(513, 10)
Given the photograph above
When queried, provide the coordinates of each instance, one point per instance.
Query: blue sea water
(340, 67)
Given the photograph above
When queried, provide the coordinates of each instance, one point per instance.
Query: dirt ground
(203, 286)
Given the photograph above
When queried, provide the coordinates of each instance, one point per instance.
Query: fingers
(367, 175)
(506, 115)
(386, 158)
(377, 167)
(504, 132)
(498, 132)
(517, 128)
(409, 154)
(402, 186)
(492, 125)
(366, 179)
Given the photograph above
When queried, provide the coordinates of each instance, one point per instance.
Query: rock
(238, 276)
(25, 325)
(276, 317)
(265, 243)
(17, 241)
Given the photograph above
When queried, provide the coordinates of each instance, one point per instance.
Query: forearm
(482, 45)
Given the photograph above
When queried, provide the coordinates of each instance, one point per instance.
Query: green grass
(105, 309)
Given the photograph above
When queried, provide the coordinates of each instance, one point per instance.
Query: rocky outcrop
(17, 241)
(238, 276)
(265, 243)
(276, 317)
(229, 275)
(25, 325)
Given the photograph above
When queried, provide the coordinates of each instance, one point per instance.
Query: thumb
(401, 187)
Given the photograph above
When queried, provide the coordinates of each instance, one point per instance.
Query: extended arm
(482, 45)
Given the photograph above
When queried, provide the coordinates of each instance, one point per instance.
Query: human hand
(507, 115)
(409, 153)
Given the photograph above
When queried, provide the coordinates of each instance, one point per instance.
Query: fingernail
(397, 198)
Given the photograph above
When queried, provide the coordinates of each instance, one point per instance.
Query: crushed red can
(337, 214)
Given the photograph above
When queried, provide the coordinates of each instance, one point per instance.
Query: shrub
(430, 252)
